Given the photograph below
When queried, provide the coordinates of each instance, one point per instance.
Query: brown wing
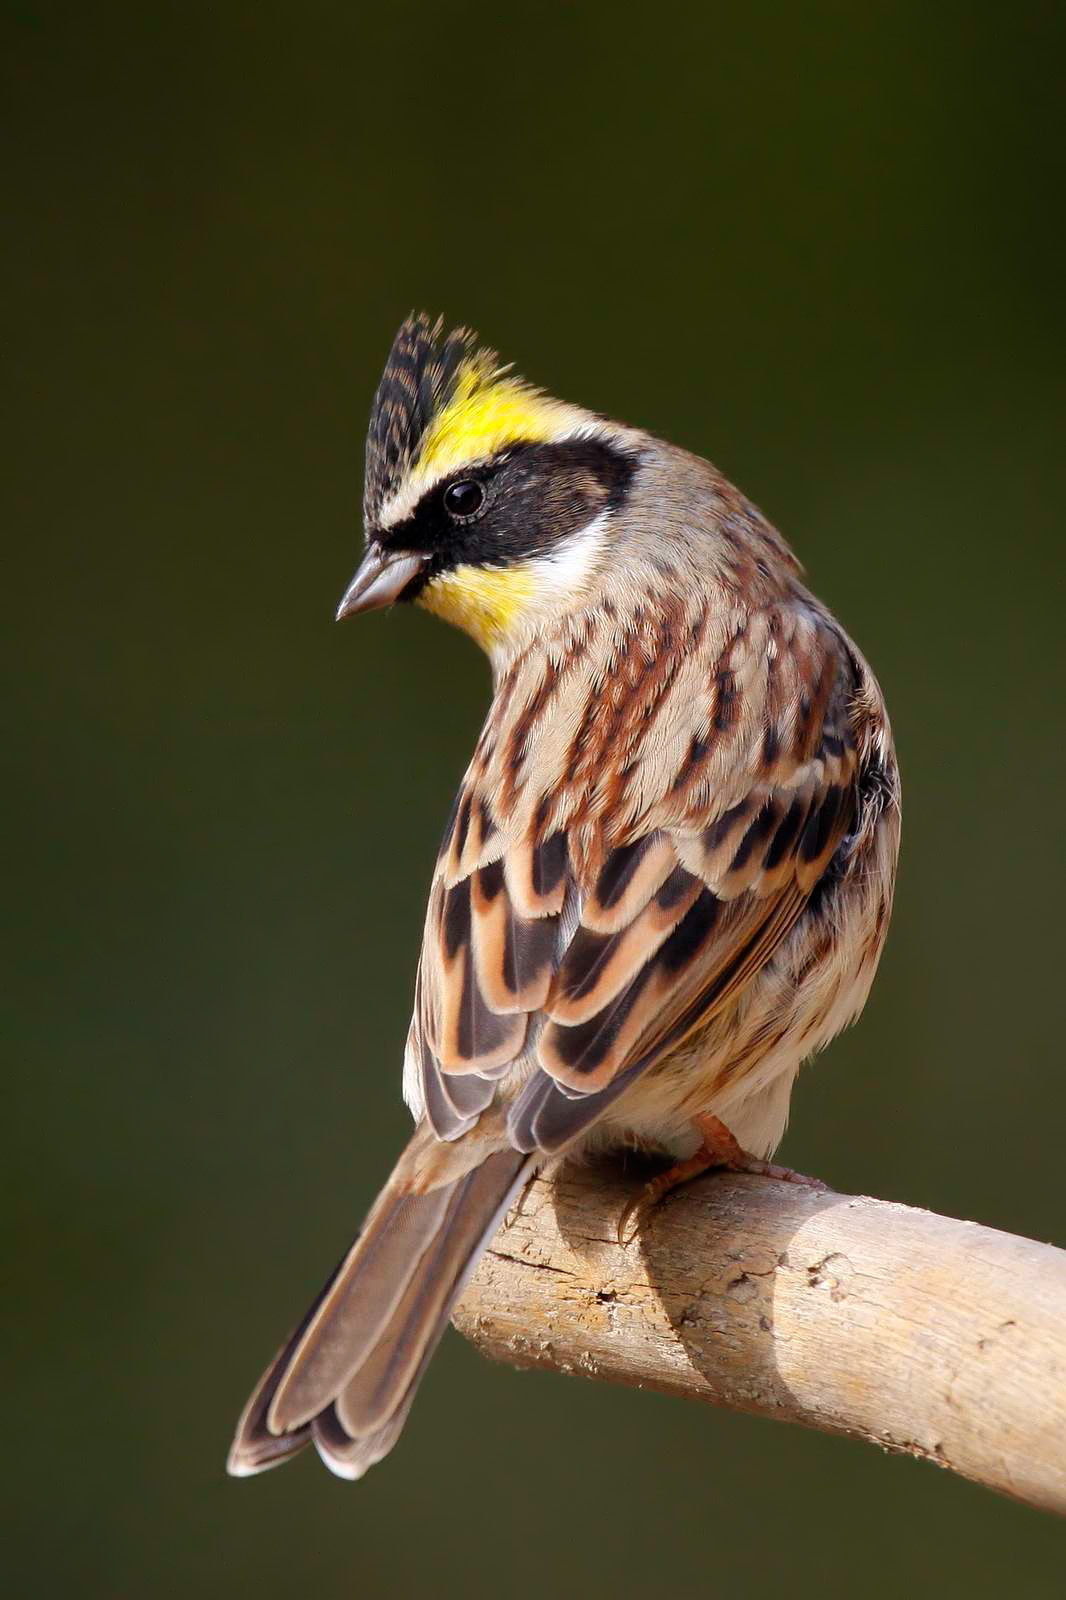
(580, 956)
(495, 933)
(621, 1000)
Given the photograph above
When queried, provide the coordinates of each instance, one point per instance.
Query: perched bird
(668, 873)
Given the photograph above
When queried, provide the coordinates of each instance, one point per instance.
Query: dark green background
(818, 242)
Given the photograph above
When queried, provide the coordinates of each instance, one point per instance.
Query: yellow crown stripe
(483, 417)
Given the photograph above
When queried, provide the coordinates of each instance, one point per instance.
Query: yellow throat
(485, 602)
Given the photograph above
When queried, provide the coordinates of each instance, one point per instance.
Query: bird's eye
(464, 499)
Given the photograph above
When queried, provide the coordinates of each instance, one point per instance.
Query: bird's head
(486, 501)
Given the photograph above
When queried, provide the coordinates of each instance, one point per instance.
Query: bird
(668, 873)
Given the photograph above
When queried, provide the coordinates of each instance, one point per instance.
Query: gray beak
(382, 577)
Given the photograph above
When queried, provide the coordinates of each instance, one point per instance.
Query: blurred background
(817, 243)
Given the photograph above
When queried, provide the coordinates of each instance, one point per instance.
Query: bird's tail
(347, 1376)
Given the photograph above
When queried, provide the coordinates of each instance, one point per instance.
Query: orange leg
(727, 1153)
(719, 1148)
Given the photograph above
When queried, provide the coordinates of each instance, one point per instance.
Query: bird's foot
(728, 1153)
(718, 1149)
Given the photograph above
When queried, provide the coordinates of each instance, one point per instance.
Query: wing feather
(560, 961)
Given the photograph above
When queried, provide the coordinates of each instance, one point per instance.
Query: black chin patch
(536, 497)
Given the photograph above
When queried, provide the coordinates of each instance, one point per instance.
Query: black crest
(420, 378)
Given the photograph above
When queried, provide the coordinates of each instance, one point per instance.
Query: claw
(718, 1149)
(718, 1141)
(635, 1205)
(653, 1191)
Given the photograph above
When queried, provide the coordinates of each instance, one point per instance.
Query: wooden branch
(919, 1333)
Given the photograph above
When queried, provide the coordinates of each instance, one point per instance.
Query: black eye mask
(522, 504)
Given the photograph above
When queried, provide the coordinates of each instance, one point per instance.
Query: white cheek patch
(563, 573)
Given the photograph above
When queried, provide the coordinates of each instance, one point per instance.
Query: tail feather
(381, 1382)
(351, 1457)
(254, 1447)
(348, 1375)
(358, 1304)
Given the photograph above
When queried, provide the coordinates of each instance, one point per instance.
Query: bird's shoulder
(664, 705)
(648, 809)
